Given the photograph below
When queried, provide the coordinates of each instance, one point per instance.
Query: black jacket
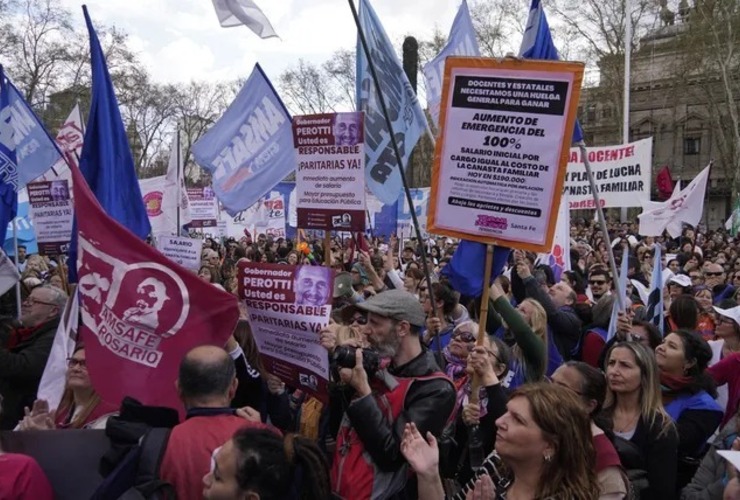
(20, 373)
(428, 404)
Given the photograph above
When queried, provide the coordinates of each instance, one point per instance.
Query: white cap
(733, 313)
(680, 279)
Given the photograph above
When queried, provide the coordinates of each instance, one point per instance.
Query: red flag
(140, 311)
(664, 181)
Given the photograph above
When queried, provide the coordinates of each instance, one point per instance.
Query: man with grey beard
(412, 389)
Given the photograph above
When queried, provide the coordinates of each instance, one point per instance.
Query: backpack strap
(153, 446)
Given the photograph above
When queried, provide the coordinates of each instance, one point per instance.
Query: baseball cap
(680, 279)
(395, 304)
(733, 313)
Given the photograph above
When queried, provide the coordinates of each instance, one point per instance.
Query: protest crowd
(563, 410)
(505, 349)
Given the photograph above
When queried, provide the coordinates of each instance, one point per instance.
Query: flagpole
(627, 71)
(17, 283)
(397, 153)
(605, 233)
(177, 180)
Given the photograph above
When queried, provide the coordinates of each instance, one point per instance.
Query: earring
(548, 458)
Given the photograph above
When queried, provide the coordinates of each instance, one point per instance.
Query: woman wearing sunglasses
(464, 361)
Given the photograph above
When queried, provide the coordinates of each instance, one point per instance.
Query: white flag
(237, 12)
(559, 257)
(9, 275)
(683, 207)
(53, 380)
(175, 196)
(69, 138)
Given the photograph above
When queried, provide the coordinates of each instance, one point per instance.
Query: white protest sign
(52, 215)
(500, 162)
(330, 180)
(183, 250)
(622, 175)
(203, 207)
(287, 308)
(267, 216)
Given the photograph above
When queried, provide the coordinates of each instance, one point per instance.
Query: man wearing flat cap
(368, 457)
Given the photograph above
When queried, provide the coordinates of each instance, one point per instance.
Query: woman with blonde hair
(527, 324)
(544, 449)
(80, 406)
(647, 438)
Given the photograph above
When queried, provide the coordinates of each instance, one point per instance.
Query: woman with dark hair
(683, 313)
(590, 384)
(209, 274)
(257, 464)
(705, 324)
(688, 396)
(544, 449)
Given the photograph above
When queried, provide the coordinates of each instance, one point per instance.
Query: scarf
(455, 366)
(20, 335)
(671, 385)
(463, 397)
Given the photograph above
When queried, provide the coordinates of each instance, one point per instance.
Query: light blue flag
(24, 230)
(461, 42)
(655, 298)
(537, 44)
(250, 149)
(622, 292)
(382, 174)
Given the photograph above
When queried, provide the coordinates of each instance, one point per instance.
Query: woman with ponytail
(257, 464)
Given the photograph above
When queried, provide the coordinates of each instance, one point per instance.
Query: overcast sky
(181, 40)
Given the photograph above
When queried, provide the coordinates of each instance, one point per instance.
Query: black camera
(344, 357)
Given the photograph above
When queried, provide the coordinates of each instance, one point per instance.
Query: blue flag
(106, 161)
(26, 150)
(537, 44)
(250, 149)
(465, 270)
(655, 298)
(623, 294)
(8, 162)
(461, 42)
(382, 174)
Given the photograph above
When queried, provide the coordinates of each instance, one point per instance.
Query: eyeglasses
(707, 273)
(736, 277)
(72, 362)
(33, 300)
(464, 336)
(647, 256)
(360, 320)
(597, 282)
(695, 277)
(635, 337)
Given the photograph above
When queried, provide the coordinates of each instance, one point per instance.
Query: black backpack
(138, 438)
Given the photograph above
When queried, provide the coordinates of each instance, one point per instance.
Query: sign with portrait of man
(52, 214)
(287, 307)
(330, 179)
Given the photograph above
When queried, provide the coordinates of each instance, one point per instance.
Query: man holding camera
(412, 388)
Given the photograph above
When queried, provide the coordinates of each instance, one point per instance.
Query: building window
(591, 113)
(606, 113)
(691, 145)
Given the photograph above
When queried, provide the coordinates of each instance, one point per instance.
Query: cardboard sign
(185, 251)
(500, 162)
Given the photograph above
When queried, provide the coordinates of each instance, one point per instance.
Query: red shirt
(189, 449)
(727, 371)
(21, 478)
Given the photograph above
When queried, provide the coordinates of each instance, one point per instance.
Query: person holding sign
(411, 390)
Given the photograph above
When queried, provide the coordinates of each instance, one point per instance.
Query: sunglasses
(713, 274)
(597, 282)
(464, 336)
(360, 320)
